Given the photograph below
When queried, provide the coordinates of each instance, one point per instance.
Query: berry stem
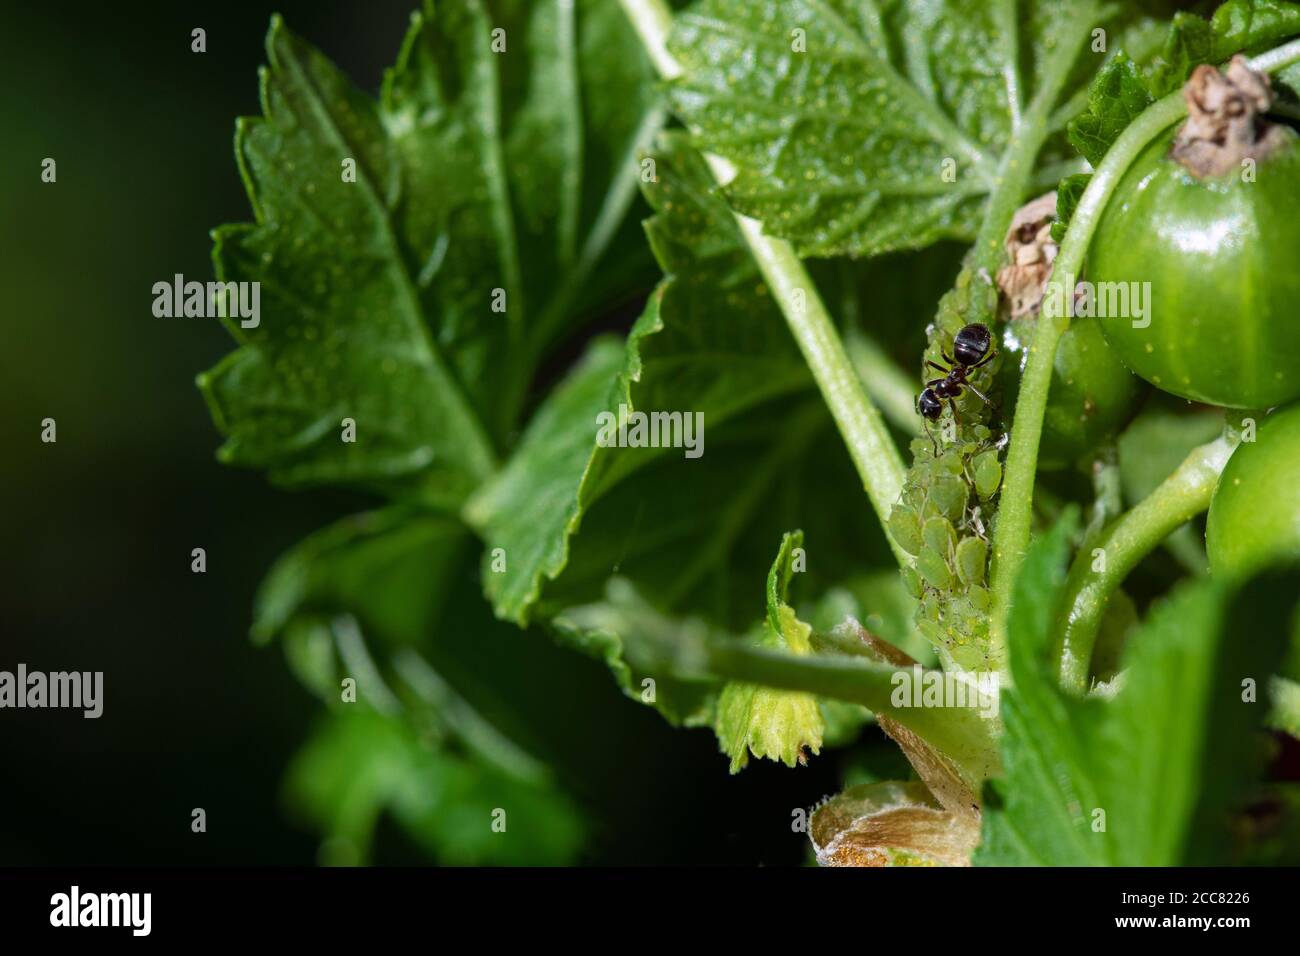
(1100, 569)
(1011, 536)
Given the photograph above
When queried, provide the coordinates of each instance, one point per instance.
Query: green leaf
(768, 723)
(391, 568)
(1120, 91)
(360, 765)
(789, 559)
(1145, 778)
(602, 630)
(1115, 98)
(467, 702)
(777, 724)
(1043, 761)
(529, 512)
(416, 296)
(1253, 25)
(1068, 193)
(1238, 25)
(710, 343)
(842, 118)
(1190, 42)
(1246, 24)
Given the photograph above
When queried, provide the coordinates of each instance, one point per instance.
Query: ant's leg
(984, 361)
(937, 367)
(935, 381)
(930, 435)
(980, 395)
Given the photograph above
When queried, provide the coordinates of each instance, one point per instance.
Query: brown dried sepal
(1225, 120)
(891, 824)
(937, 772)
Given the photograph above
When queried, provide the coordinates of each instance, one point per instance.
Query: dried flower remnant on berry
(1225, 122)
(1030, 253)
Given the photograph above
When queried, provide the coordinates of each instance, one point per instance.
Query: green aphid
(972, 556)
(980, 597)
(964, 611)
(934, 568)
(939, 535)
(932, 632)
(912, 581)
(905, 526)
(949, 493)
(988, 474)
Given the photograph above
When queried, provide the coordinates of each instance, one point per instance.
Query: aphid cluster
(944, 518)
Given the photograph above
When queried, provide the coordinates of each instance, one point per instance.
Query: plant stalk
(960, 733)
(1011, 536)
(878, 462)
(886, 383)
(1016, 171)
(1099, 570)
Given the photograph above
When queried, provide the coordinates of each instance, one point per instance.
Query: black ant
(971, 349)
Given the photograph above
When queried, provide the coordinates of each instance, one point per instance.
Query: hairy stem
(1098, 571)
(1277, 58)
(874, 454)
(884, 381)
(860, 423)
(1011, 537)
(1016, 171)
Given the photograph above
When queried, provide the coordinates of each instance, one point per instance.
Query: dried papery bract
(931, 822)
(891, 824)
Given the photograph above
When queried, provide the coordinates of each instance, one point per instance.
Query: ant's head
(971, 344)
(929, 405)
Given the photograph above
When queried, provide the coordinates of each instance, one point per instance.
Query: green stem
(1108, 497)
(874, 454)
(1277, 58)
(1011, 536)
(1099, 570)
(960, 733)
(1016, 171)
(870, 446)
(884, 381)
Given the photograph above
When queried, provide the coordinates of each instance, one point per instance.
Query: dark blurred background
(98, 528)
